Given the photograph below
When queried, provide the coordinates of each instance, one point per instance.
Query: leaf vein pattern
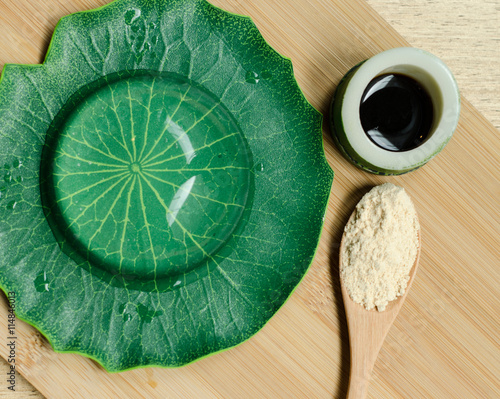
(167, 125)
(110, 211)
(126, 221)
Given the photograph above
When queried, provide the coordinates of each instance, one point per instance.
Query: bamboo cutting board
(445, 341)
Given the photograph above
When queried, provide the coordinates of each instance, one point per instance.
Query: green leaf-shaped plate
(163, 186)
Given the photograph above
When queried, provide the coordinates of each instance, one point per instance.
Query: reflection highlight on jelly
(181, 138)
(179, 199)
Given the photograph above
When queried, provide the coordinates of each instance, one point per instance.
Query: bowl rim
(428, 70)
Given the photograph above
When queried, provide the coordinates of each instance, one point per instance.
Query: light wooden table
(464, 33)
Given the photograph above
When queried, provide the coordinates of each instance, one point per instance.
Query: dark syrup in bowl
(396, 112)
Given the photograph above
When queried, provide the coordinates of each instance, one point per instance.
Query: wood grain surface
(444, 343)
(463, 33)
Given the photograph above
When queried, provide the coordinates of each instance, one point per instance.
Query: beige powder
(380, 247)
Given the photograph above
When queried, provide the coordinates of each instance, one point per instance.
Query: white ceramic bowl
(345, 123)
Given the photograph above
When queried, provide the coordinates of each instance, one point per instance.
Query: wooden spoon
(367, 331)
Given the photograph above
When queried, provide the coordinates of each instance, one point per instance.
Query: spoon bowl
(368, 329)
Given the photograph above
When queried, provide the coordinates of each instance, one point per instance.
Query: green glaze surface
(163, 183)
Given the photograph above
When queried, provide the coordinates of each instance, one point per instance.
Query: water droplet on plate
(17, 163)
(42, 282)
(252, 77)
(259, 167)
(11, 205)
(126, 316)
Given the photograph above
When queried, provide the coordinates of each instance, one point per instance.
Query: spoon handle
(360, 373)
(367, 332)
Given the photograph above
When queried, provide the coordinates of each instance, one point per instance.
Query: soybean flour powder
(380, 247)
